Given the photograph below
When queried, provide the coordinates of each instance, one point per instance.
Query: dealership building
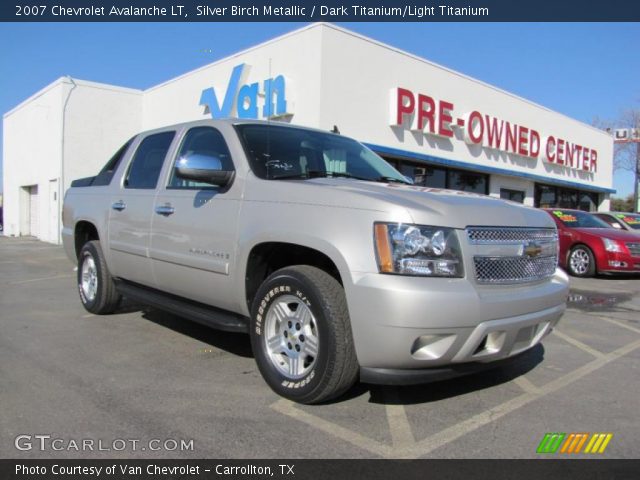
(437, 126)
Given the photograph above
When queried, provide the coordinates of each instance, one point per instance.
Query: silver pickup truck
(335, 264)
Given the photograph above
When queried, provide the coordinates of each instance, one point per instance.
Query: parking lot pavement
(145, 375)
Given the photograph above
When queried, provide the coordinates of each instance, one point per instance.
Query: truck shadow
(234, 343)
(442, 390)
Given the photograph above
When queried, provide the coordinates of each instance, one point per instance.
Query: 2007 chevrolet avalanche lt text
(334, 263)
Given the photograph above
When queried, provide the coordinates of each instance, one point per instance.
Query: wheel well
(266, 258)
(85, 232)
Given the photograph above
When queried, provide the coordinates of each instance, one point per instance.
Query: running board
(197, 312)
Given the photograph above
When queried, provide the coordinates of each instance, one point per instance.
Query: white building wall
(96, 121)
(99, 119)
(31, 156)
(296, 56)
(358, 75)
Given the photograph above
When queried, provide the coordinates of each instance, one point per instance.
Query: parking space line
(403, 447)
(526, 385)
(401, 434)
(454, 432)
(578, 344)
(618, 323)
(287, 408)
(55, 277)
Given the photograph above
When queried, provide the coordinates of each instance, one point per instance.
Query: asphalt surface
(141, 375)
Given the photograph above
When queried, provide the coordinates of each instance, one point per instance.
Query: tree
(626, 156)
(622, 204)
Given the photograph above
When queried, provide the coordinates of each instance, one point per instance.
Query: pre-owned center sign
(424, 113)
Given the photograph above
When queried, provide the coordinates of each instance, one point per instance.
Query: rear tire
(301, 335)
(581, 262)
(97, 290)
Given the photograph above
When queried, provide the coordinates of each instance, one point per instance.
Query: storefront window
(513, 195)
(437, 177)
(547, 196)
(467, 181)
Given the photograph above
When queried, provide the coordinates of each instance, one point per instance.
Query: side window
(611, 221)
(204, 141)
(147, 161)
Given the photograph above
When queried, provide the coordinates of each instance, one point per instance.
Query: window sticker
(565, 217)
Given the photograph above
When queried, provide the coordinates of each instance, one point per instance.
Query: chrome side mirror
(203, 168)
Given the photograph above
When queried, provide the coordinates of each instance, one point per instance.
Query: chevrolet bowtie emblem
(532, 249)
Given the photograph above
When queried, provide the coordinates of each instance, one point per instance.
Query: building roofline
(69, 80)
(237, 54)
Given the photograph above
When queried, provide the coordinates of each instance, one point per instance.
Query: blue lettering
(210, 101)
(247, 106)
(245, 97)
(273, 86)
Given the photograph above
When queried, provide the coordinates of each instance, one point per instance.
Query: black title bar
(319, 469)
(319, 10)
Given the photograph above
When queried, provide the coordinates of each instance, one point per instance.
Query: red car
(588, 245)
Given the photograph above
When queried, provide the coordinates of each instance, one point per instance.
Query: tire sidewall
(87, 251)
(591, 268)
(290, 283)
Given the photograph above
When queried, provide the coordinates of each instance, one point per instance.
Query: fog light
(616, 263)
(431, 347)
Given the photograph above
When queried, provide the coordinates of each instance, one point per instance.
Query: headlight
(612, 245)
(417, 250)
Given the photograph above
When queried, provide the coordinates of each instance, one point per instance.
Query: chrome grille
(513, 269)
(513, 255)
(480, 235)
(634, 248)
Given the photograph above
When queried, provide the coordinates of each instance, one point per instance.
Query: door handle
(119, 205)
(165, 210)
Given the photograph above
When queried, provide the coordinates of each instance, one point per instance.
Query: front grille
(484, 235)
(513, 269)
(530, 254)
(634, 248)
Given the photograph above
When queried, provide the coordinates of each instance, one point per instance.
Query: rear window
(631, 219)
(575, 219)
(106, 174)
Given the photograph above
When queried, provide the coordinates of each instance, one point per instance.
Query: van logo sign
(241, 99)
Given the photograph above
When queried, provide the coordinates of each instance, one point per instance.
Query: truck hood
(425, 205)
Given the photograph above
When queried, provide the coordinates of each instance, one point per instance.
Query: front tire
(97, 291)
(301, 335)
(581, 262)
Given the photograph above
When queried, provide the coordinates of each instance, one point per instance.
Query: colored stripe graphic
(598, 443)
(572, 443)
(551, 442)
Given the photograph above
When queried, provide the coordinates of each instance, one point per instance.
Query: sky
(583, 70)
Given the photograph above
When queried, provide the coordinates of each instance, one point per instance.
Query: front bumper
(614, 262)
(419, 323)
(413, 376)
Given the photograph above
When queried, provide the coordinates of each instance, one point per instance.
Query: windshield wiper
(324, 174)
(392, 179)
(300, 175)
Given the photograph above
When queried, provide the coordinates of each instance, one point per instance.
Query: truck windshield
(277, 152)
(575, 219)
